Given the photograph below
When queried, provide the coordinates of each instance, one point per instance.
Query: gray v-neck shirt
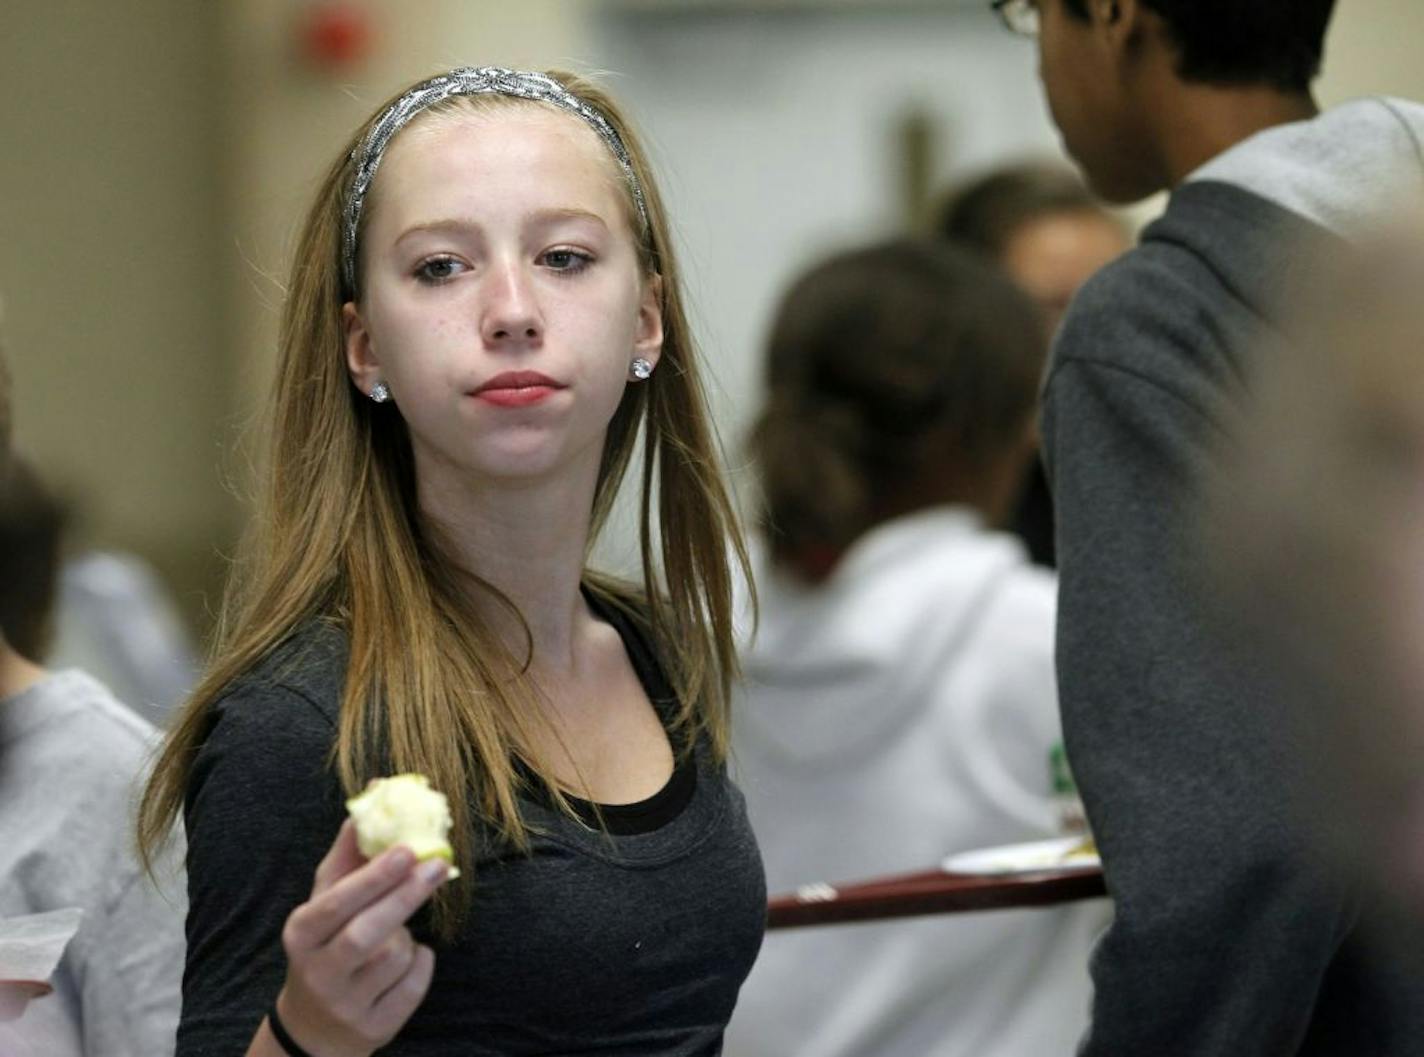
(593, 943)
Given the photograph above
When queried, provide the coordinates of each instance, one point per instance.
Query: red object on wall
(335, 36)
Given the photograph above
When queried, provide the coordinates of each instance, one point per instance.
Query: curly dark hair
(1274, 42)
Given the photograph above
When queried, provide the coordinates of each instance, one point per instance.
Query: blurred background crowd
(835, 167)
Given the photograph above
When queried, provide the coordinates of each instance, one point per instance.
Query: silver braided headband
(467, 80)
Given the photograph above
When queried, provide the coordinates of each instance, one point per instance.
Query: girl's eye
(438, 269)
(568, 261)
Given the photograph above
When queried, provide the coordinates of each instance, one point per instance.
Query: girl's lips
(517, 389)
(519, 397)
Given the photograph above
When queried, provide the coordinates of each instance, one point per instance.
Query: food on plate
(1086, 848)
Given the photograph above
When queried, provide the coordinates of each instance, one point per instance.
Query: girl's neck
(529, 540)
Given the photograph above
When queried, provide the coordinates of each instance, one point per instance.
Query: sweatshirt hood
(834, 669)
(1343, 169)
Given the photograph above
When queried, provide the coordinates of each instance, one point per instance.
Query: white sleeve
(1008, 725)
(132, 968)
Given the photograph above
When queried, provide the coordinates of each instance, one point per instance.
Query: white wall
(1374, 47)
(110, 264)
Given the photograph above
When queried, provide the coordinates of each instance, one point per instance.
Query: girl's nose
(511, 311)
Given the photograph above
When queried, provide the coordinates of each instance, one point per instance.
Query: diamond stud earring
(641, 369)
(380, 392)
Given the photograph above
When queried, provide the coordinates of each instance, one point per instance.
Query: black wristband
(285, 1040)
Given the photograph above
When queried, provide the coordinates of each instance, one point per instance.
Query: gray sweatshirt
(70, 759)
(1233, 934)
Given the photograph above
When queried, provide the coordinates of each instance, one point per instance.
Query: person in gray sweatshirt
(1233, 933)
(69, 757)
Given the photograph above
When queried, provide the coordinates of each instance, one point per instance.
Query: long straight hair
(338, 536)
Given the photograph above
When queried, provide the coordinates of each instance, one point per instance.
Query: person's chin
(1119, 189)
(1113, 181)
(513, 467)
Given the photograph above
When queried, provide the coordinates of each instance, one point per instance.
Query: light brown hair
(338, 536)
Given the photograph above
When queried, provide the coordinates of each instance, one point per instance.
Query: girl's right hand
(354, 973)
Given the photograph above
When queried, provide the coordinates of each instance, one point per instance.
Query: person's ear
(361, 361)
(1105, 12)
(1124, 27)
(648, 339)
(1120, 20)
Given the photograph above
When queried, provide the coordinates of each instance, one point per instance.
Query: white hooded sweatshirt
(903, 710)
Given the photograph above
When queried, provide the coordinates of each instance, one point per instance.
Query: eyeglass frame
(1018, 16)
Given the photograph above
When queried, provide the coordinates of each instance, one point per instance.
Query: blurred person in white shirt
(898, 700)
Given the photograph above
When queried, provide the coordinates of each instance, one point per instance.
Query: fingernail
(401, 859)
(433, 871)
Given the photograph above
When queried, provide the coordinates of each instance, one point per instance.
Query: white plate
(1032, 857)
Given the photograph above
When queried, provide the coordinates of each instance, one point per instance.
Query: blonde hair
(338, 536)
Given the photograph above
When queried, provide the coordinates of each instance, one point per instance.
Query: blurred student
(1042, 225)
(70, 756)
(1320, 518)
(898, 701)
(1232, 935)
(116, 619)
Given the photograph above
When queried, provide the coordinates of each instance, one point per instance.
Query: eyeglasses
(1020, 16)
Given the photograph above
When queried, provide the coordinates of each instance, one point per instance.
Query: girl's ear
(361, 361)
(648, 341)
